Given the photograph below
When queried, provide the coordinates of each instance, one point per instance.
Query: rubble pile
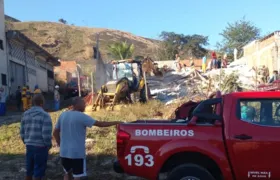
(176, 85)
(193, 83)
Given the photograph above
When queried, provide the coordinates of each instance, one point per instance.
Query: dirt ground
(101, 143)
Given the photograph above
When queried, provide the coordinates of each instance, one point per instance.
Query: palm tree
(121, 50)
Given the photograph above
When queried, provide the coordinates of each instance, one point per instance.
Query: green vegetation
(121, 50)
(186, 45)
(238, 34)
(229, 82)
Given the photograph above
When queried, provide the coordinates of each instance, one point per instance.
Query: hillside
(70, 42)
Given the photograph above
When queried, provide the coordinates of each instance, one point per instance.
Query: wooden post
(146, 87)
(91, 86)
(79, 83)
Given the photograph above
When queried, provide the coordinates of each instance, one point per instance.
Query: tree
(63, 21)
(121, 50)
(236, 35)
(186, 45)
(165, 52)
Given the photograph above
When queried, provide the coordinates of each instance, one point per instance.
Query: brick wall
(65, 71)
(171, 63)
(263, 52)
(266, 42)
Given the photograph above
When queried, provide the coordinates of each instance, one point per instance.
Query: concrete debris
(193, 83)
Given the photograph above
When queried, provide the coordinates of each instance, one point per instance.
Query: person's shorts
(36, 161)
(76, 166)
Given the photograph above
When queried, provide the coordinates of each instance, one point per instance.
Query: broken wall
(264, 52)
(101, 73)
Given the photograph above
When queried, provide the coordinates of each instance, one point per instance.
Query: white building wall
(35, 68)
(3, 57)
(51, 82)
(42, 75)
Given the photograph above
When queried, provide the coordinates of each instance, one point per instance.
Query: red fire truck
(275, 86)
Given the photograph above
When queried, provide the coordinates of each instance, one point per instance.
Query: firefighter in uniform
(24, 98)
(28, 96)
(37, 90)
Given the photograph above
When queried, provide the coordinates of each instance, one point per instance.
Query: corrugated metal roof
(18, 36)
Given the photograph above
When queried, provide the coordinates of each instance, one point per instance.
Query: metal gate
(17, 76)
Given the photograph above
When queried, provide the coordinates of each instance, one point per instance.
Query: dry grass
(72, 42)
(100, 148)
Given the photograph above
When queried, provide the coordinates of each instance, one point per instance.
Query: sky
(148, 18)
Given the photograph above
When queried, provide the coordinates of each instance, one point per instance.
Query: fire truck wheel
(190, 172)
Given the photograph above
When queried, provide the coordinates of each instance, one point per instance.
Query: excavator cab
(126, 83)
(131, 71)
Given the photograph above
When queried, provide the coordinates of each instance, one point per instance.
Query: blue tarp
(2, 109)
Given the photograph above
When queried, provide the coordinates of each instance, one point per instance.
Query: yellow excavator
(128, 84)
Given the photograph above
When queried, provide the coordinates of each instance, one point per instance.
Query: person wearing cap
(56, 98)
(37, 90)
(24, 99)
(214, 61)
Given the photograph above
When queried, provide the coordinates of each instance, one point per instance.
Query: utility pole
(97, 46)
(79, 82)
(97, 58)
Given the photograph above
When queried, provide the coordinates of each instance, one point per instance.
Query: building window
(50, 74)
(4, 79)
(1, 44)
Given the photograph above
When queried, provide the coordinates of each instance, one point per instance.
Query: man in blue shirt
(70, 135)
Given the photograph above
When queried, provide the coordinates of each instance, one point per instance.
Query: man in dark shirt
(18, 98)
(274, 77)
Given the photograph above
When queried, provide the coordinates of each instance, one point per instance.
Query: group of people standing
(217, 62)
(183, 67)
(265, 78)
(214, 63)
(69, 133)
(24, 97)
